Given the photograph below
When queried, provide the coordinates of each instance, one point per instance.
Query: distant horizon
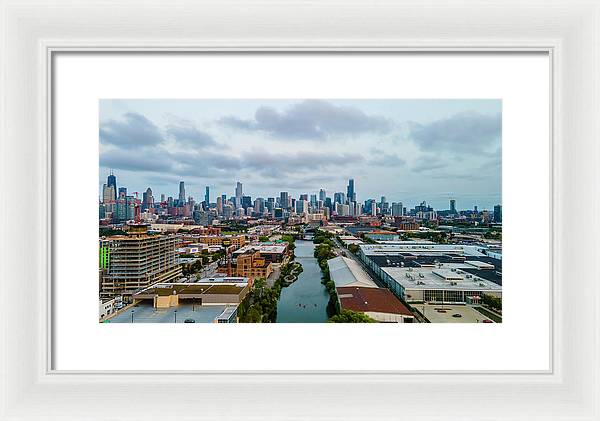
(329, 193)
(409, 151)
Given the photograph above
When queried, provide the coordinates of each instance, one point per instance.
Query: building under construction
(137, 260)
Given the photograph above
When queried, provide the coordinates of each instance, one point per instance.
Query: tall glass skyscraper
(181, 192)
(351, 194)
(112, 181)
(207, 197)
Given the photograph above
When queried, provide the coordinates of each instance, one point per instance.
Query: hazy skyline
(408, 150)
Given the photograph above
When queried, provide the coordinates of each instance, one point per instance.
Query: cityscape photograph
(300, 211)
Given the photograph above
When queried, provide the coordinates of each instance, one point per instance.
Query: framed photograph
(368, 206)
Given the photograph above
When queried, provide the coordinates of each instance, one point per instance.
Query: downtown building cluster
(117, 206)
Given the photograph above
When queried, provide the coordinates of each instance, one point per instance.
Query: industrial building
(442, 273)
(356, 291)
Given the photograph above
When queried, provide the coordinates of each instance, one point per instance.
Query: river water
(304, 301)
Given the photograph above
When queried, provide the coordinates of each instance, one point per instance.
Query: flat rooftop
(428, 279)
(263, 248)
(146, 313)
(419, 248)
(437, 313)
(192, 289)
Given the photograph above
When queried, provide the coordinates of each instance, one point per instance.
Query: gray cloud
(288, 162)
(148, 159)
(134, 131)
(187, 134)
(467, 132)
(428, 163)
(310, 119)
(384, 159)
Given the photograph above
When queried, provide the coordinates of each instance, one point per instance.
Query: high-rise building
(238, 190)
(304, 197)
(284, 200)
(112, 181)
(270, 204)
(122, 192)
(453, 207)
(498, 213)
(108, 194)
(339, 197)
(102, 211)
(313, 200)
(259, 205)
(397, 209)
(351, 194)
(342, 209)
(207, 197)
(148, 199)
(322, 195)
(219, 205)
(301, 207)
(138, 260)
(162, 198)
(181, 193)
(246, 202)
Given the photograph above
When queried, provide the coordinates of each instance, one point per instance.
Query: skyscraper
(112, 181)
(453, 206)
(207, 197)
(108, 194)
(351, 194)
(284, 201)
(498, 213)
(339, 197)
(397, 209)
(238, 190)
(322, 195)
(148, 198)
(181, 193)
(219, 205)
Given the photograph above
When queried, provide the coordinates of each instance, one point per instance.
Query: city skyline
(239, 188)
(407, 150)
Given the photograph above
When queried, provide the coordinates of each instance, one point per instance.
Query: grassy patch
(489, 314)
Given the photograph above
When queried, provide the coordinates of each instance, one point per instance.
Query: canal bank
(304, 301)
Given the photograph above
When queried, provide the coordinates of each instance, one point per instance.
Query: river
(304, 301)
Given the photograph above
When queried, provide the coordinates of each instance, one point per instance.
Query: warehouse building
(356, 291)
(439, 273)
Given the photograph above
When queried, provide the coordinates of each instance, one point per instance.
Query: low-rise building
(378, 303)
(251, 264)
(213, 293)
(272, 252)
(439, 273)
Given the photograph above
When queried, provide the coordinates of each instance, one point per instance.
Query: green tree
(253, 315)
(349, 316)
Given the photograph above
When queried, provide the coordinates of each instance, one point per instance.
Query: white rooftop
(427, 248)
(440, 279)
(345, 272)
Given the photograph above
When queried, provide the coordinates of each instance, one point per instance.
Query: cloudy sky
(406, 150)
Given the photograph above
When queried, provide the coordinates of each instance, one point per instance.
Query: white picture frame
(33, 31)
